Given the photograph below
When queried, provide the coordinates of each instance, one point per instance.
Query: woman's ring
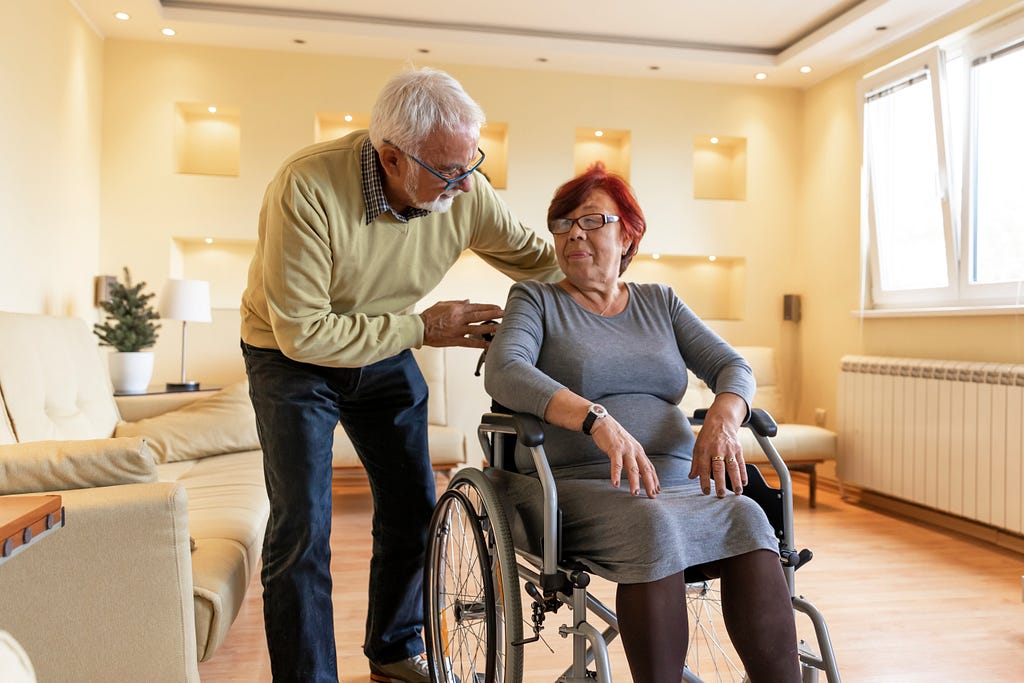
(718, 458)
(731, 460)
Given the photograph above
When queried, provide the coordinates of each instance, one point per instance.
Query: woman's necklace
(586, 302)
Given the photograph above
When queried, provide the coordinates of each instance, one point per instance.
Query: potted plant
(130, 330)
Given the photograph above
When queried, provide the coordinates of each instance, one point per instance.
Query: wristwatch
(594, 413)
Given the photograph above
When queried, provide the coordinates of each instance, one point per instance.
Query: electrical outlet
(820, 415)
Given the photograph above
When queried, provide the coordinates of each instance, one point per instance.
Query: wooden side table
(25, 520)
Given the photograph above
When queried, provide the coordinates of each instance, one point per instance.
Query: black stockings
(758, 616)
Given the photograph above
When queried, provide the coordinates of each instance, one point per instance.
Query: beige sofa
(164, 523)
(802, 446)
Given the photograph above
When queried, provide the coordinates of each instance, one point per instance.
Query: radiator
(943, 434)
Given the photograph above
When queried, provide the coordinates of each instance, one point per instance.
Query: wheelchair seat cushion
(629, 539)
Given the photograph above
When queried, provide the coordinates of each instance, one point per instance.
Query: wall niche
(207, 139)
(602, 144)
(333, 125)
(719, 167)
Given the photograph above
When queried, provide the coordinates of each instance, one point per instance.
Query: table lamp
(187, 301)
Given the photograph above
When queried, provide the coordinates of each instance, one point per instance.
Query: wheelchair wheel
(459, 595)
(709, 654)
(504, 571)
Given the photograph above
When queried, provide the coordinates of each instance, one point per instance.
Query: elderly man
(352, 233)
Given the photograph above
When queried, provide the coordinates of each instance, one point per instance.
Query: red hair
(571, 195)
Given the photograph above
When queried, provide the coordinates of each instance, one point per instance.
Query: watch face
(598, 410)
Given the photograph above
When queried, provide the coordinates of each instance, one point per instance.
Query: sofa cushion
(431, 360)
(223, 422)
(6, 432)
(447, 448)
(227, 512)
(54, 379)
(61, 465)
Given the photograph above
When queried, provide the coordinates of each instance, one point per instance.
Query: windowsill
(939, 311)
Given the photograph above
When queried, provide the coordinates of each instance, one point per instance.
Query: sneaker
(411, 670)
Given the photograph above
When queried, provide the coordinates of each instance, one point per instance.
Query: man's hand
(456, 323)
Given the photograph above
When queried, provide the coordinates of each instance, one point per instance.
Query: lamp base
(183, 386)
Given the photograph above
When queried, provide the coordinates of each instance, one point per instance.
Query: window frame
(977, 46)
(932, 63)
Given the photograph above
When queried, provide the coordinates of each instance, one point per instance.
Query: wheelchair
(474, 606)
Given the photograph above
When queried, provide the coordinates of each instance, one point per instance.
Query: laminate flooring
(904, 601)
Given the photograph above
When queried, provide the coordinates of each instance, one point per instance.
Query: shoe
(411, 670)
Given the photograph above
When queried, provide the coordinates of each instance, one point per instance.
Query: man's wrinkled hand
(459, 323)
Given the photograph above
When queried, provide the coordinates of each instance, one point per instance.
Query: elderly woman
(604, 363)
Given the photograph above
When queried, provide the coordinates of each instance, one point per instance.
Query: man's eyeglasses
(590, 221)
(449, 180)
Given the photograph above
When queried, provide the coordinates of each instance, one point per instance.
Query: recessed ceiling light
(714, 141)
(212, 110)
(348, 118)
(805, 69)
(712, 258)
(208, 240)
(167, 31)
(122, 16)
(761, 76)
(655, 256)
(598, 133)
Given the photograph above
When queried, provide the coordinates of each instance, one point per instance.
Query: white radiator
(944, 434)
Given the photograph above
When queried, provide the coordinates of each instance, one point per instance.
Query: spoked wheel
(710, 654)
(506, 600)
(459, 595)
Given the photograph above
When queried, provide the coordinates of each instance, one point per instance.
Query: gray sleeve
(709, 356)
(511, 376)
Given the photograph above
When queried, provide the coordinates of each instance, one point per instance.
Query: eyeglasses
(590, 221)
(449, 180)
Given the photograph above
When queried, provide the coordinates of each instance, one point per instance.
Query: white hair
(418, 102)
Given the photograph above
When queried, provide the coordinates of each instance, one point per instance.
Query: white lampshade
(186, 300)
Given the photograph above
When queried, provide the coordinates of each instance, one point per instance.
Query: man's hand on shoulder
(458, 323)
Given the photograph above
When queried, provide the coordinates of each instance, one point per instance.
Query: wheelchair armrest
(527, 427)
(761, 422)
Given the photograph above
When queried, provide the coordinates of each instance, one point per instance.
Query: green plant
(129, 325)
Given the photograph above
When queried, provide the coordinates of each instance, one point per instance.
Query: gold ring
(731, 460)
(718, 458)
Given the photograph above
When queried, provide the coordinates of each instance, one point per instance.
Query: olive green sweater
(327, 288)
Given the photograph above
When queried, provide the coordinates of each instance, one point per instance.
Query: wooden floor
(904, 602)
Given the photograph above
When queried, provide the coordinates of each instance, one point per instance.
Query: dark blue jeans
(383, 408)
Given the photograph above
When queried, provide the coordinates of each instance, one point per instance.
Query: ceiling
(703, 40)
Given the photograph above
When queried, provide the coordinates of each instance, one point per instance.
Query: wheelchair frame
(477, 587)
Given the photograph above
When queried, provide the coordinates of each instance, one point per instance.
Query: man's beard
(439, 205)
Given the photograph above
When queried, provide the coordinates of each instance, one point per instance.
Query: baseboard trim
(980, 531)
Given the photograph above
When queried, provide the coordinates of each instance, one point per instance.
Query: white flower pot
(130, 371)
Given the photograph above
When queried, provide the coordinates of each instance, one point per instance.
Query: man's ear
(389, 159)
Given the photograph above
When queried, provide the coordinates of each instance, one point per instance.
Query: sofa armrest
(109, 596)
(140, 406)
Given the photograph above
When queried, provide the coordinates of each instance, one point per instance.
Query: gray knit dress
(635, 365)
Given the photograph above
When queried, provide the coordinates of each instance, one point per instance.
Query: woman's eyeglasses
(590, 221)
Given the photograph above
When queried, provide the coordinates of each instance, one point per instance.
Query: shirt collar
(373, 189)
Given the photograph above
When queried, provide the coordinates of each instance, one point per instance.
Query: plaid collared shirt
(373, 189)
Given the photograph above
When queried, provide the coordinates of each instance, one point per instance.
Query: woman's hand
(717, 450)
(625, 453)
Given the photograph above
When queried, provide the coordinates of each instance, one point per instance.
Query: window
(944, 210)
(993, 218)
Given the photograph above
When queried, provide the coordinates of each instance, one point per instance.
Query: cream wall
(146, 205)
(51, 91)
(828, 244)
